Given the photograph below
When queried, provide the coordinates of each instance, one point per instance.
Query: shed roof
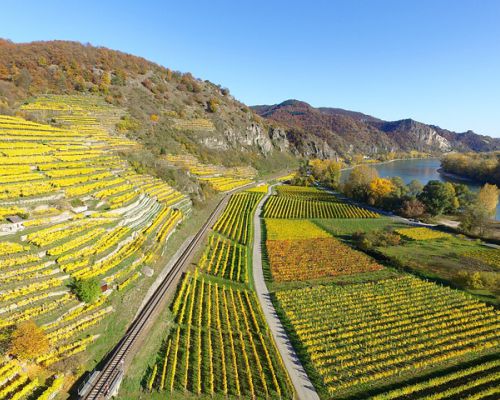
(14, 218)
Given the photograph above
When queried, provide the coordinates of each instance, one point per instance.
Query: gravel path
(303, 386)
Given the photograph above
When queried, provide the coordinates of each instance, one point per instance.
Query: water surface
(423, 170)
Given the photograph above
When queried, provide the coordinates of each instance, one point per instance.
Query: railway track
(102, 384)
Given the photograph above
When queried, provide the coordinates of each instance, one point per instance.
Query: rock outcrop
(323, 132)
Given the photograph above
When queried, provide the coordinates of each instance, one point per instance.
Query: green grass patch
(347, 226)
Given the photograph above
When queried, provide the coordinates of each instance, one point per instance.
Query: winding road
(303, 386)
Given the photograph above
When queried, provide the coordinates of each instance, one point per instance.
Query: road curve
(303, 386)
(104, 381)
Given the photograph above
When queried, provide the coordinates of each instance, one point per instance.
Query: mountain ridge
(370, 134)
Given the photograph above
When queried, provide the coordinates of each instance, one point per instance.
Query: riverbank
(455, 177)
(466, 179)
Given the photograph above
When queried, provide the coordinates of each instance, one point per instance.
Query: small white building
(79, 209)
(15, 224)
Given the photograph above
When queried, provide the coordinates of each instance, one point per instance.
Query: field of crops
(286, 206)
(18, 385)
(361, 335)
(422, 234)
(226, 259)
(262, 188)
(235, 221)
(299, 250)
(489, 257)
(479, 381)
(366, 333)
(71, 208)
(282, 229)
(305, 192)
(196, 124)
(305, 259)
(225, 184)
(220, 344)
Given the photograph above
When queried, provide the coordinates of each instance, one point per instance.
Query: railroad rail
(104, 384)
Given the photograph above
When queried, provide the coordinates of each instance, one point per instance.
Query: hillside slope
(176, 113)
(349, 131)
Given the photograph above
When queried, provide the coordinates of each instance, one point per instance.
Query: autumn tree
(439, 197)
(357, 159)
(358, 182)
(23, 79)
(28, 341)
(488, 198)
(79, 84)
(464, 196)
(400, 189)
(168, 76)
(476, 217)
(415, 187)
(303, 177)
(4, 72)
(119, 78)
(482, 167)
(379, 189)
(412, 208)
(105, 82)
(326, 171)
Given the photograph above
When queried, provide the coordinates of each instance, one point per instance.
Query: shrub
(87, 290)
(378, 238)
(213, 105)
(128, 124)
(77, 202)
(474, 281)
(477, 280)
(421, 233)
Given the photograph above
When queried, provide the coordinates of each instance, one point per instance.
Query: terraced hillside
(71, 211)
(220, 178)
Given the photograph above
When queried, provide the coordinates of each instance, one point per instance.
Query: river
(423, 170)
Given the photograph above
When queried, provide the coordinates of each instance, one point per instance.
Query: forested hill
(343, 129)
(175, 112)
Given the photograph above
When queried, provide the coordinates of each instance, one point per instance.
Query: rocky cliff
(347, 132)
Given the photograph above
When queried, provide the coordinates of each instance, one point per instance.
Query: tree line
(412, 200)
(484, 167)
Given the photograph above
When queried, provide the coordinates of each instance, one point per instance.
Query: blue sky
(435, 61)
